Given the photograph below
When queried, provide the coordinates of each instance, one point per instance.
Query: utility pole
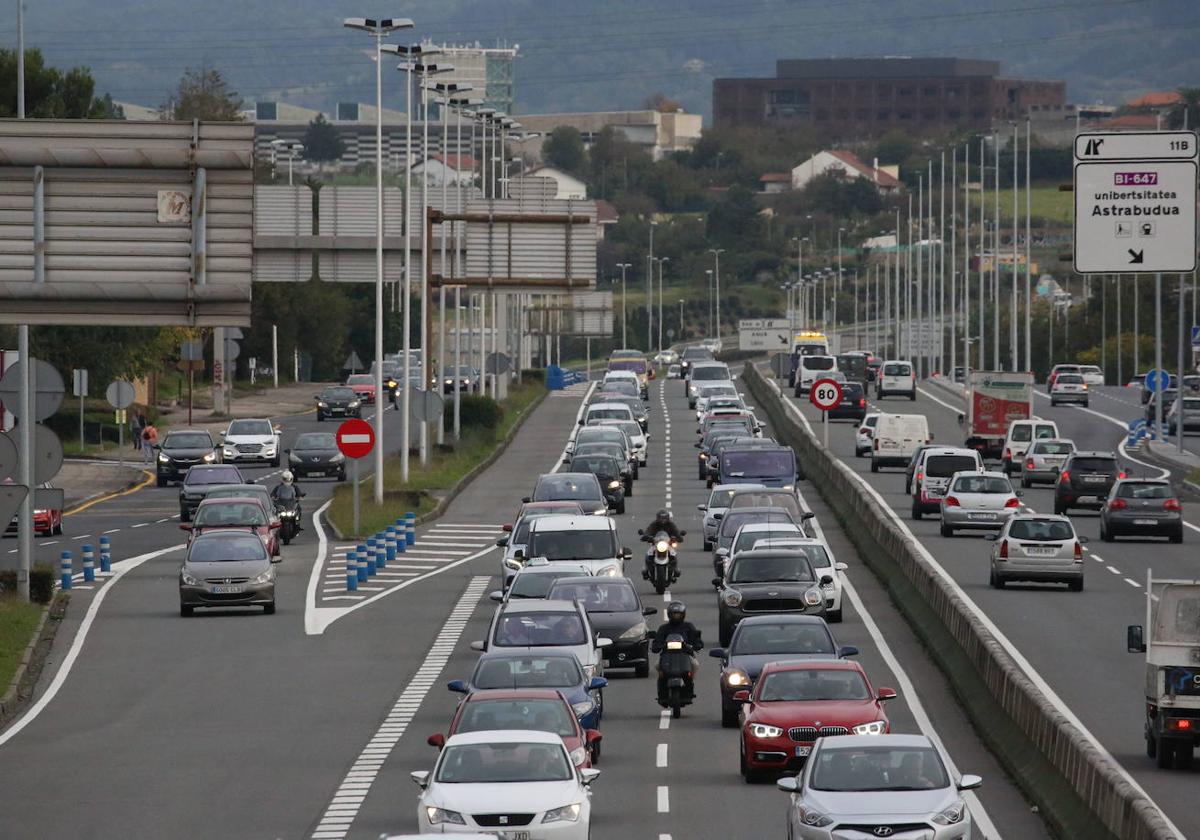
(624, 311)
(953, 258)
(1014, 310)
(650, 290)
(1028, 251)
(25, 429)
(996, 257)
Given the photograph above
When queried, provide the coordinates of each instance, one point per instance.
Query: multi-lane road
(1074, 641)
(307, 723)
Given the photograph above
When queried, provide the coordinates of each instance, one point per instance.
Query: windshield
(1052, 447)
(722, 390)
(227, 515)
(533, 714)
(600, 434)
(620, 386)
(749, 537)
(767, 463)
(944, 466)
(554, 487)
(599, 464)
(1069, 379)
(1146, 490)
(527, 672)
(213, 475)
(228, 549)
(613, 413)
(536, 584)
(712, 373)
(630, 428)
(1041, 530)
(337, 394)
(718, 499)
(696, 354)
(879, 768)
(1094, 465)
(360, 379)
(1191, 404)
(814, 684)
(636, 365)
(897, 370)
(766, 639)
(599, 597)
(733, 521)
(250, 491)
(982, 484)
(243, 428)
(753, 498)
(541, 629)
(612, 450)
(503, 762)
(315, 440)
(789, 567)
(819, 363)
(572, 545)
(188, 440)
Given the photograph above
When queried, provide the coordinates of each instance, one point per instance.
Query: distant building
(660, 133)
(488, 70)
(565, 184)
(1057, 125)
(775, 182)
(856, 98)
(848, 165)
(452, 169)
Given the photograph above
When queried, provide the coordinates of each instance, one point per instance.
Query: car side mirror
(696, 444)
(717, 653)
(701, 507)
(526, 500)
(962, 419)
(722, 552)
(807, 515)
(1018, 493)
(185, 526)
(478, 645)
(602, 642)
(846, 651)
(970, 782)
(420, 778)
(519, 554)
(742, 696)
(287, 452)
(502, 542)
(826, 580)
(1083, 540)
(436, 740)
(641, 533)
(597, 683)
(718, 516)
(316, 396)
(496, 595)
(648, 611)
(589, 775)
(717, 582)
(840, 566)
(683, 533)
(1135, 639)
(221, 435)
(506, 527)
(275, 558)
(593, 736)
(580, 421)
(626, 553)
(886, 694)
(457, 686)
(788, 784)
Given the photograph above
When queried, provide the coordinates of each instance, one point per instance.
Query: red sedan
(363, 385)
(47, 522)
(794, 703)
(235, 514)
(540, 709)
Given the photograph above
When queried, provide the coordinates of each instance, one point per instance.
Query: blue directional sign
(1195, 337)
(1157, 380)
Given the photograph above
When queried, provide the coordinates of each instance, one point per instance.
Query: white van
(896, 378)
(897, 437)
(811, 369)
(606, 411)
(1020, 434)
(935, 466)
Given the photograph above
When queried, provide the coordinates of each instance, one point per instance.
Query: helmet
(676, 611)
(287, 477)
(663, 515)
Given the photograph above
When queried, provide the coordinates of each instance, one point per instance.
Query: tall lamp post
(711, 299)
(716, 252)
(650, 289)
(378, 29)
(624, 312)
(660, 262)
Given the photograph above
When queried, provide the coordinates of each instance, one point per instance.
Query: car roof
(736, 487)
(608, 405)
(537, 605)
(542, 653)
(588, 579)
(888, 740)
(557, 566)
(948, 450)
(977, 473)
(768, 526)
(778, 551)
(513, 694)
(229, 500)
(571, 522)
(812, 665)
(752, 620)
(1057, 517)
(503, 736)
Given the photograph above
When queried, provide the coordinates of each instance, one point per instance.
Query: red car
(235, 514)
(363, 385)
(47, 522)
(794, 703)
(541, 709)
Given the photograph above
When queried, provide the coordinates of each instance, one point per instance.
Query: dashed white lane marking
(164, 519)
(82, 537)
(343, 808)
(664, 800)
(141, 525)
(1133, 583)
(664, 837)
(660, 756)
(111, 531)
(664, 719)
(55, 542)
(1113, 569)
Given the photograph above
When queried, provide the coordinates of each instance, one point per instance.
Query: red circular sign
(355, 438)
(825, 394)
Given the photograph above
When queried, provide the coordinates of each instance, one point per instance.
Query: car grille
(874, 829)
(772, 604)
(811, 733)
(247, 448)
(220, 580)
(493, 820)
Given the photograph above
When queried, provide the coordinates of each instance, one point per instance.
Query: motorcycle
(676, 688)
(289, 519)
(661, 567)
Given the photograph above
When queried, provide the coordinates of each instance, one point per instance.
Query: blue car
(501, 669)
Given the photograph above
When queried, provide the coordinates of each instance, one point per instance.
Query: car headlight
(440, 816)
(875, 727)
(814, 818)
(322, 404)
(634, 633)
(188, 578)
(764, 730)
(813, 597)
(613, 485)
(228, 450)
(733, 598)
(789, 487)
(354, 404)
(737, 678)
(661, 546)
(577, 757)
(567, 813)
(583, 706)
(269, 448)
(209, 458)
(294, 458)
(703, 456)
(163, 458)
(609, 571)
(952, 815)
(265, 577)
(337, 458)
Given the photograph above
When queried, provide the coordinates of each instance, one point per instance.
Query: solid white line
(664, 801)
(660, 756)
(314, 576)
(120, 569)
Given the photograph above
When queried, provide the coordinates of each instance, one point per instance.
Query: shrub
(476, 412)
(534, 374)
(41, 583)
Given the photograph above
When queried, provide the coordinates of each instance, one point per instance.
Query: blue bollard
(381, 557)
(370, 557)
(89, 564)
(105, 555)
(401, 540)
(65, 570)
(389, 543)
(410, 528)
(360, 554)
(351, 572)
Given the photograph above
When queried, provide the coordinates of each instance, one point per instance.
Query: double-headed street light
(378, 29)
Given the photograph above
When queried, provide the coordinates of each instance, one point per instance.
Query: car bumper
(339, 412)
(776, 753)
(928, 503)
(175, 471)
(981, 520)
(626, 654)
(1130, 525)
(928, 831)
(554, 831)
(1093, 500)
(1050, 475)
(733, 615)
(251, 595)
(300, 470)
(248, 457)
(848, 414)
(1060, 571)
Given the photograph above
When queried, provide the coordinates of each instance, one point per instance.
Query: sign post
(80, 389)
(119, 394)
(355, 440)
(825, 394)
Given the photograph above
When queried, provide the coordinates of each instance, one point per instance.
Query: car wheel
(183, 515)
(1151, 746)
(1085, 405)
(1059, 508)
(1166, 755)
(160, 481)
(834, 616)
(57, 530)
(1105, 536)
(629, 488)
(916, 511)
(186, 611)
(874, 466)
(996, 581)
(945, 530)
(912, 396)
(1025, 482)
(1053, 402)
(269, 609)
(275, 463)
(341, 476)
(1075, 585)
(729, 717)
(706, 546)
(724, 633)
(1183, 755)
(621, 508)
(320, 417)
(1177, 537)
(642, 671)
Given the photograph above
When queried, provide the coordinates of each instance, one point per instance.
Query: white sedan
(521, 784)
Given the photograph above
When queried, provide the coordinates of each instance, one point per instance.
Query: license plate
(1087, 500)
(1094, 479)
(228, 590)
(1040, 552)
(983, 516)
(802, 752)
(514, 835)
(1145, 522)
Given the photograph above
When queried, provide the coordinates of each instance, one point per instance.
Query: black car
(338, 401)
(615, 450)
(769, 638)
(615, 483)
(1168, 398)
(1142, 507)
(181, 450)
(710, 439)
(1085, 480)
(615, 612)
(853, 405)
(199, 480)
(316, 453)
(690, 356)
(770, 580)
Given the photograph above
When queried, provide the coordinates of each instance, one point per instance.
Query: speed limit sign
(826, 394)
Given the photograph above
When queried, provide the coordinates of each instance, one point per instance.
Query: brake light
(877, 445)
(1004, 549)
(1182, 723)
(952, 502)
(1117, 504)
(1121, 474)
(1008, 453)
(1172, 504)
(862, 403)
(1078, 552)
(1012, 503)
(920, 476)
(1028, 463)
(1064, 475)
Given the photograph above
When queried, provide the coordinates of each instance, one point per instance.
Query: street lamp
(660, 262)
(711, 300)
(681, 319)
(650, 289)
(378, 29)
(716, 252)
(624, 313)
(292, 150)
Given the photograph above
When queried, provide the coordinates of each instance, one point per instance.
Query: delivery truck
(994, 399)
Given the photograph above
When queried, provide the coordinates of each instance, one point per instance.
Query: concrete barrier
(1079, 788)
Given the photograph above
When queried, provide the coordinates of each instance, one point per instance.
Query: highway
(243, 725)
(1074, 641)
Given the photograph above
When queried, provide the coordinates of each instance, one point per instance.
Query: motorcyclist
(288, 491)
(676, 624)
(662, 522)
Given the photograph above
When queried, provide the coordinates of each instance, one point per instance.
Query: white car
(897, 377)
(823, 563)
(666, 357)
(1069, 387)
(590, 540)
(250, 440)
(978, 500)
(717, 506)
(1092, 374)
(519, 782)
(638, 437)
(865, 434)
(534, 579)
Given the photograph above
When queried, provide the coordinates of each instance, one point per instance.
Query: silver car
(1069, 387)
(1037, 547)
(227, 569)
(977, 501)
(1044, 460)
(716, 508)
(877, 785)
(1184, 413)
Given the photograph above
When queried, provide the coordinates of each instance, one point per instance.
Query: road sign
(764, 334)
(48, 386)
(11, 496)
(232, 350)
(353, 363)
(1157, 380)
(192, 351)
(496, 364)
(119, 394)
(425, 406)
(1195, 337)
(1135, 202)
(79, 382)
(825, 394)
(47, 454)
(9, 460)
(355, 438)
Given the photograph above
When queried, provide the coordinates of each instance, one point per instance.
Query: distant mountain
(589, 55)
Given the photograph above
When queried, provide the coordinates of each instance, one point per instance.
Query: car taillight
(952, 502)
(1012, 503)
(1117, 504)
(1121, 474)
(876, 445)
(920, 475)
(1172, 504)
(862, 403)
(1078, 552)
(1008, 453)
(1064, 475)
(1028, 463)
(1004, 549)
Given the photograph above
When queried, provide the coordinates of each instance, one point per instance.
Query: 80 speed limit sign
(825, 394)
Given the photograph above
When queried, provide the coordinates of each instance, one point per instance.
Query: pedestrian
(137, 425)
(149, 441)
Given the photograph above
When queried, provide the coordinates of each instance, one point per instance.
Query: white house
(567, 185)
(848, 164)
(454, 169)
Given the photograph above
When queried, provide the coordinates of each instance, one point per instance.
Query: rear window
(1191, 404)
(1021, 433)
(897, 370)
(636, 365)
(1069, 379)
(818, 363)
(982, 484)
(1052, 448)
(944, 466)
(217, 475)
(1094, 465)
(1044, 431)
(540, 629)
(1138, 490)
(702, 374)
(1041, 530)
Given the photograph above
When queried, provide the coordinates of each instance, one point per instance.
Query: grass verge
(18, 620)
(1194, 477)
(447, 466)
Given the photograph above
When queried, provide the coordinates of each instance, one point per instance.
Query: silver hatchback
(227, 569)
(1045, 459)
(977, 501)
(1037, 547)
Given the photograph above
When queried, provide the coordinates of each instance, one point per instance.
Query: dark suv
(180, 450)
(1085, 480)
(199, 480)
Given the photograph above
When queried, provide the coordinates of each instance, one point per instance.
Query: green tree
(564, 149)
(203, 95)
(895, 146)
(322, 142)
(733, 222)
(49, 92)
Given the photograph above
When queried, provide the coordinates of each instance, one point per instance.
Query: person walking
(149, 441)
(137, 425)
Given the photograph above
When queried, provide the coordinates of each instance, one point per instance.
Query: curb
(87, 501)
(12, 701)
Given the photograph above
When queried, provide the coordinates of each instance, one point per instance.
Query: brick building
(853, 98)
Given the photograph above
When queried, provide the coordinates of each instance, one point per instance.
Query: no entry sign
(355, 438)
(825, 394)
